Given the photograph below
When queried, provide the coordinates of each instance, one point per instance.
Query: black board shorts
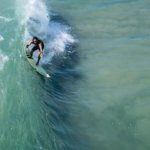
(37, 48)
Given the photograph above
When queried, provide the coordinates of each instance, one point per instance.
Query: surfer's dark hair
(36, 38)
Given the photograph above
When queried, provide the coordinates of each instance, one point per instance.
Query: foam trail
(5, 19)
(3, 59)
(1, 38)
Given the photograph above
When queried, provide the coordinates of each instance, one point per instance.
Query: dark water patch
(60, 101)
(63, 103)
(57, 18)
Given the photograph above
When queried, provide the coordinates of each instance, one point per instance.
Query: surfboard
(38, 68)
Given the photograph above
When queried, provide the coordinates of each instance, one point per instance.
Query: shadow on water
(60, 100)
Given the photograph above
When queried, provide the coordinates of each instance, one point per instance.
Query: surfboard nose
(47, 75)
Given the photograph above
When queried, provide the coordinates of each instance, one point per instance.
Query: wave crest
(56, 35)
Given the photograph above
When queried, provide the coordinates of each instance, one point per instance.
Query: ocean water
(97, 53)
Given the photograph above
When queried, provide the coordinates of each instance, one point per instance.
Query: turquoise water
(97, 53)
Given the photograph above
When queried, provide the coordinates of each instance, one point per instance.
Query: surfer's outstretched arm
(29, 43)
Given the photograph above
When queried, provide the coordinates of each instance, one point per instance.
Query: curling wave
(55, 35)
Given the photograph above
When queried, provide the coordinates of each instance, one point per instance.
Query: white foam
(1, 38)
(60, 37)
(3, 59)
(5, 19)
(34, 16)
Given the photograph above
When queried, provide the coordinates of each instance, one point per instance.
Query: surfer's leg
(40, 54)
(37, 63)
(39, 57)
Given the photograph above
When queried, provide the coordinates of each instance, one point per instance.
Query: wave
(56, 35)
(58, 39)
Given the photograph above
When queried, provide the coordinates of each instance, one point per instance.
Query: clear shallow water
(97, 53)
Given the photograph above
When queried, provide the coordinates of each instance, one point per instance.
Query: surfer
(38, 45)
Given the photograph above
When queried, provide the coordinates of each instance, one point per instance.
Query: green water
(97, 98)
(114, 47)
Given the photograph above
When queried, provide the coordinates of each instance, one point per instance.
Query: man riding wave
(38, 45)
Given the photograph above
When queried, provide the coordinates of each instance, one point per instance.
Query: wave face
(35, 113)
